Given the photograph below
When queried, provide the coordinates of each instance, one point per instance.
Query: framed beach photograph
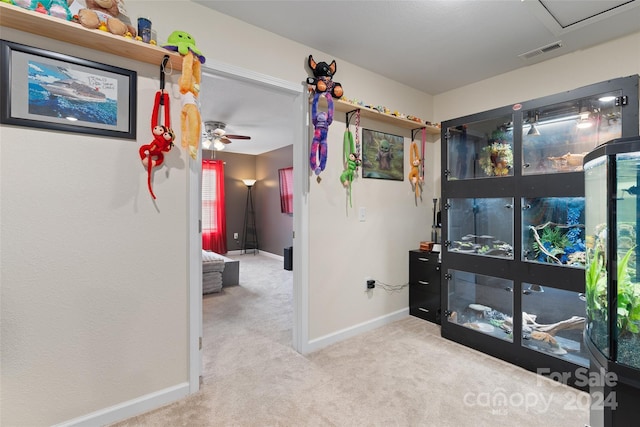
(382, 155)
(49, 90)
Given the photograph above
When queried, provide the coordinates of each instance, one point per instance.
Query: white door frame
(300, 137)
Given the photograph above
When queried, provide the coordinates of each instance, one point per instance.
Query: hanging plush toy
(414, 173)
(351, 155)
(321, 121)
(189, 82)
(321, 84)
(351, 162)
(152, 155)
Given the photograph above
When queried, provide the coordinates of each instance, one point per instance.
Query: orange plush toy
(414, 175)
(189, 82)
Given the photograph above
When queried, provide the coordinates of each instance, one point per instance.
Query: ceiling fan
(214, 134)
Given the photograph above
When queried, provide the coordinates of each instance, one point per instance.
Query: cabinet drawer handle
(423, 309)
(422, 282)
(423, 259)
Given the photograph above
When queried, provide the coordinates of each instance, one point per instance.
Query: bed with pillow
(218, 271)
(212, 268)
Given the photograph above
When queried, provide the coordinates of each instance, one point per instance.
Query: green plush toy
(182, 42)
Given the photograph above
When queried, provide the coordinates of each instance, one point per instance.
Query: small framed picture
(382, 155)
(49, 90)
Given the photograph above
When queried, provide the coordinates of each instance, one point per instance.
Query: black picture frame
(50, 90)
(382, 155)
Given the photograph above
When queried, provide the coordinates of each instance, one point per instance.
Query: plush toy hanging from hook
(321, 85)
(416, 177)
(351, 158)
(152, 155)
(321, 121)
(189, 82)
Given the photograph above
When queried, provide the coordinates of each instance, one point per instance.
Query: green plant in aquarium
(628, 308)
(553, 242)
(628, 299)
(596, 286)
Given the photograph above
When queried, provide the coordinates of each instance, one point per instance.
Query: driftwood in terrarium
(574, 322)
(536, 236)
(569, 161)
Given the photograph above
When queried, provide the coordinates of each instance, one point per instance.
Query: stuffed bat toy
(322, 78)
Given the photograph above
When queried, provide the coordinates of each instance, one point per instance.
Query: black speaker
(288, 258)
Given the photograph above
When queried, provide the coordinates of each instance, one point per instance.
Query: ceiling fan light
(218, 145)
(206, 143)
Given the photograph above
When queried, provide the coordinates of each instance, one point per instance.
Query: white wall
(618, 58)
(94, 273)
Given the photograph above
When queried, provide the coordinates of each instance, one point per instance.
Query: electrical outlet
(370, 283)
(235, 236)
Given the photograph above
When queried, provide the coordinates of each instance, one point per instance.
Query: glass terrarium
(553, 230)
(480, 149)
(481, 226)
(612, 187)
(482, 303)
(553, 321)
(555, 138)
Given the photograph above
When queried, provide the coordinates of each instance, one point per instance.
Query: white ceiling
(441, 44)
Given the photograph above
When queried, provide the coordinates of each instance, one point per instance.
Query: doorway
(287, 126)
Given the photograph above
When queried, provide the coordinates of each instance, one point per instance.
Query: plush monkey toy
(189, 83)
(414, 174)
(152, 155)
(321, 121)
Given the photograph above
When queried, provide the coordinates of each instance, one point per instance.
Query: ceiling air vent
(541, 50)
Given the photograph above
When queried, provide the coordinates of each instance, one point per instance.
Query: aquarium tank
(553, 230)
(556, 137)
(612, 280)
(480, 226)
(481, 303)
(552, 322)
(480, 149)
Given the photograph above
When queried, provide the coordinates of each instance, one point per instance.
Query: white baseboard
(352, 331)
(261, 252)
(130, 408)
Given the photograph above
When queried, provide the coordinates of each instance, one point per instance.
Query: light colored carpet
(402, 374)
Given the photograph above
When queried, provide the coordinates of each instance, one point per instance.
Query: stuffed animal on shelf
(152, 154)
(322, 80)
(57, 8)
(107, 15)
(189, 82)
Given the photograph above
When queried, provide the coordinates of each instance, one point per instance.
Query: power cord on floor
(391, 288)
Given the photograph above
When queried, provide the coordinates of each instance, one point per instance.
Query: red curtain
(286, 190)
(214, 224)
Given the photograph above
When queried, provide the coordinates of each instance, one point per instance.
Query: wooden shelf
(74, 33)
(370, 113)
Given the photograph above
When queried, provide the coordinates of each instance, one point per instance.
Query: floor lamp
(249, 232)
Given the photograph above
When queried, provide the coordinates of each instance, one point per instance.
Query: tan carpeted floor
(402, 374)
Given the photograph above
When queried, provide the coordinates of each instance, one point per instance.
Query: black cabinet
(424, 285)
